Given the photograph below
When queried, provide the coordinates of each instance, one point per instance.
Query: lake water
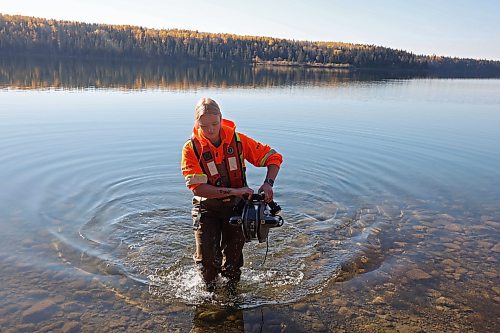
(390, 190)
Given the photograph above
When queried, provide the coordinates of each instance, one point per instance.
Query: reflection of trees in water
(30, 73)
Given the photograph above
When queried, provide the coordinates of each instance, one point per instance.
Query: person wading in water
(213, 165)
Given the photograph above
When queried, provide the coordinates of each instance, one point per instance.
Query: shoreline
(279, 64)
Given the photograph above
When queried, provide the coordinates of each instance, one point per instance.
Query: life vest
(232, 168)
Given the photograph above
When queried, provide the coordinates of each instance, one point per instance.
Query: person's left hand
(268, 192)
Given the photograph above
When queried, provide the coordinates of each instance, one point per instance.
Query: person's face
(210, 126)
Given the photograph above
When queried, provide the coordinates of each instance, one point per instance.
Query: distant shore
(284, 63)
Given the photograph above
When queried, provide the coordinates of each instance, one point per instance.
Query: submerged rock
(454, 227)
(493, 224)
(484, 244)
(445, 302)
(40, 311)
(317, 326)
(452, 246)
(339, 302)
(301, 307)
(496, 248)
(120, 322)
(449, 262)
(344, 311)
(490, 274)
(71, 327)
(72, 307)
(378, 300)
(37, 293)
(417, 274)
(445, 217)
(212, 315)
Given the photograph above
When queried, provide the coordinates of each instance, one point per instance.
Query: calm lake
(390, 190)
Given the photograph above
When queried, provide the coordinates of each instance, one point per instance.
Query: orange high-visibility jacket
(256, 153)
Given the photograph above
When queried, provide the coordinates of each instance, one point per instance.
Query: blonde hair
(206, 105)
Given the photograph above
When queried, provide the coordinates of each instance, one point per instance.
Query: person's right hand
(244, 192)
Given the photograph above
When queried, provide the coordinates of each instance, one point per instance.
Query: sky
(457, 28)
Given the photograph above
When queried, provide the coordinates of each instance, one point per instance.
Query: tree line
(45, 37)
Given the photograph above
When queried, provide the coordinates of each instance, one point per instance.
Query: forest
(29, 36)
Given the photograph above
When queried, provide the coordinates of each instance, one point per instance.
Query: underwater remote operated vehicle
(256, 217)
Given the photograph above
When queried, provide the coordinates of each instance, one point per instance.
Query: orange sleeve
(191, 169)
(259, 154)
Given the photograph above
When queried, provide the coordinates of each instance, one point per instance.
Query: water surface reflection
(389, 189)
(41, 73)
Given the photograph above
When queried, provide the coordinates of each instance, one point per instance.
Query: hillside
(21, 35)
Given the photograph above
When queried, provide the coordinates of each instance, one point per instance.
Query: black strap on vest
(197, 155)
